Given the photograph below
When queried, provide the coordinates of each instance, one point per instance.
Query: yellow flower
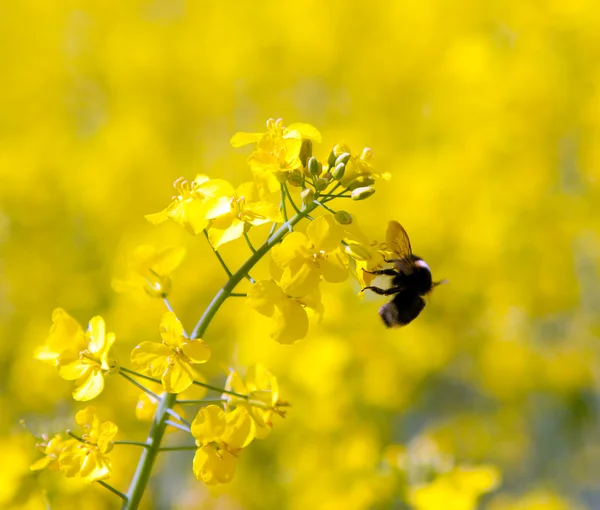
(197, 203)
(84, 358)
(277, 151)
(220, 436)
(263, 396)
(172, 359)
(88, 460)
(301, 260)
(364, 254)
(290, 317)
(52, 450)
(149, 270)
(458, 489)
(65, 340)
(247, 207)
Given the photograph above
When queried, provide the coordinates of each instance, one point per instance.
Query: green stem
(149, 454)
(203, 401)
(227, 270)
(177, 448)
(289, 196)
(325, 207)
(283, 208)
(220, 390)
(161, 417)
(177, 416)
(75, 436)
(248, 242)
(179, 426)
(113, 490)
(132, 443)
(140, 386)
(228, 288)
(238, 294)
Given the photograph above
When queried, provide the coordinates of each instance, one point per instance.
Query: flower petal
(213, 467)
(150, 358)
(90, 386)
(209, 424)
(197, 351)
(306, 130)
(221, 232)
(333, 268)
(264, 295)
(325, 233)
(300, 279)
(74, 370)
(178, 376)
(240, 139)
(290, 322)
(167, 260)
(239, 430)
(295, 246)
(171, 330)
(96, 334)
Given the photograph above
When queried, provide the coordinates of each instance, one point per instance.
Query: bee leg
(387, 272)
(383, 292)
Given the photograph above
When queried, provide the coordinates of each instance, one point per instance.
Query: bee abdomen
(403, 309)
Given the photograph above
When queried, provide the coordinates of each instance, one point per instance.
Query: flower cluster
(329, 249)
(84, 457)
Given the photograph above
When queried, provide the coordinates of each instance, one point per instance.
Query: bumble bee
(411, 280)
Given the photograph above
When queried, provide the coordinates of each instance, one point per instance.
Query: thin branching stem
(220, 390)
(289, 197)
(123, 371)
(216, 252)
(179, 426)
(249, 243)
(238, 294)
(201, 402)
(177, 416)
(325, 207)
(75, 436)
(132, 443)
(112, 489)
(283, 207)
(177, 448)
(168, 304)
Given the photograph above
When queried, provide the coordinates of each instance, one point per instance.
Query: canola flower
(330, 249)
(85, 358)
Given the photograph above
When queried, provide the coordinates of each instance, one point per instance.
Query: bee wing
(397, 240)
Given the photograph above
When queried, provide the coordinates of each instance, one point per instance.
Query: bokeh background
(487, 115)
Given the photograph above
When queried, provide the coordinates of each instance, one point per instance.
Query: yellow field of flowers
(477, 123)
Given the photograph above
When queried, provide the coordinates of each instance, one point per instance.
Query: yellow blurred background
(487, 115)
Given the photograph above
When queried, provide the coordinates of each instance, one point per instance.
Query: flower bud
(308, 196)
(314, 168)
(157, 286)
(338, 171)
(322, 184)
(343, 217)
(305, 151)
(362, 193)
(360, 182)
(296, 178)
(366, 154)
(342, 158)
(331, 158)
